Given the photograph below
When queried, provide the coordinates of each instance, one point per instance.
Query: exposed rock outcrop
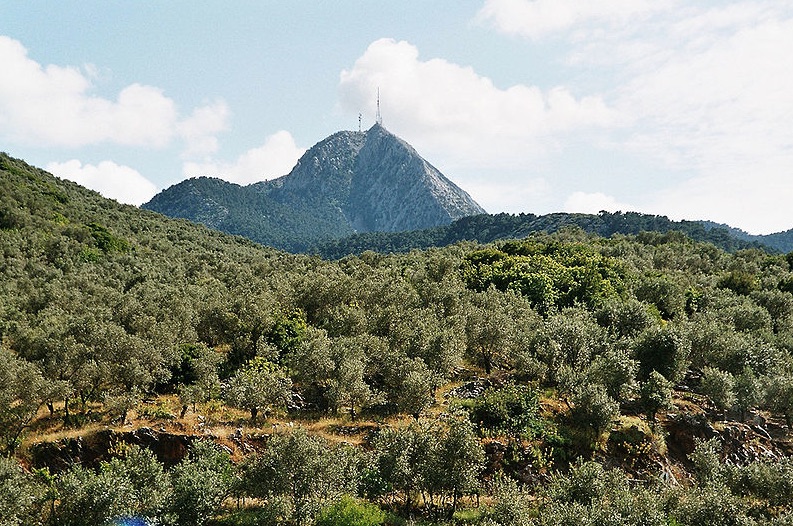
(350, 182)
(92, 448)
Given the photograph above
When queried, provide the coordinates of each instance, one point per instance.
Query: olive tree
(21, 394)
(20, 494)
(594, 408)
(664, 350)
(259, 386)
(655, 394)
(719, 386)
(134, 485)
(201, 482)
(303, 469)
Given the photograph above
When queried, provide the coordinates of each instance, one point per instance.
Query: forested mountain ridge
(781, 241)
(157, 372)
(486, 228)
(349, 182)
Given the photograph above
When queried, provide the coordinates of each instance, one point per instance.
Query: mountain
(350, 182)
(781, 241)
(486, 228)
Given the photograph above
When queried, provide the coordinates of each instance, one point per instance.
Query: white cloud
(722, 98)
(539, 18)
(445, 108)
(54, 105)
(592, 203)
(756, 199)
(122, 183)
(717, 103)
(276, 157)
(200, 129)
(704, 90)
(513, 196)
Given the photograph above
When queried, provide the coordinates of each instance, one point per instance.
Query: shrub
(512, 409)
(348, 511)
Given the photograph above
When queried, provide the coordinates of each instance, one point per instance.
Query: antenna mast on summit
(378, 118)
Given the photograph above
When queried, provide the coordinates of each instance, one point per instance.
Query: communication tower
(378, 119)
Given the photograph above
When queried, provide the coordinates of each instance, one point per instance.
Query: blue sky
(660, 106)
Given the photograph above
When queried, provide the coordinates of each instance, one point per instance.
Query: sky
(670, 107)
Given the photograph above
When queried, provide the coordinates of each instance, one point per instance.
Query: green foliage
(586, 483)
(458, 460)
(105, 241)
(664, 350)
(616, 371)
(740, 282)
(625, 318)
(710, 506)
(103, 305)
(287, 331)
(492, 327)
(488, 228)
(779, 395)
(568, 339)
(22, 391)
(513, 409)
(748, 391)
(513, 504)
(655, 394)
(303, 470)
(420, 458)
(707, 462)
(719, 386)
(594, 408)
(550, 275)
(200, 484)
(21, 495)
(348, 511)
(259, 386)
(134, 485)
(591, 495)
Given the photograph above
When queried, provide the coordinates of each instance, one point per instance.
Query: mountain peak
(349, 182)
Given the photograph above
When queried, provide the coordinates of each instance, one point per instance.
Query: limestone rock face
(394, 189)
(350, 182)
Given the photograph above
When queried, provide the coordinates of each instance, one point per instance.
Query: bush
(594, 408)
(20, 494)
(348, 511)
(719, 386)
(512, 409)
(664, 350)
(200, 484)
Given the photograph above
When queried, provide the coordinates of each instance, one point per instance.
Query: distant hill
(486, 228)
(781, 241)
(351, 182)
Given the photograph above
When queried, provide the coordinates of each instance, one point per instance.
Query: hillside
(154, 371)
(487, 228)
(781, 241)
(350, 182)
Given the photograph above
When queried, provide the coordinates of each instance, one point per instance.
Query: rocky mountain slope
(350, 182)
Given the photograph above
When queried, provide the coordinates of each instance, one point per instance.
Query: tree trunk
(254, 413)
(184, 411)
(488, 363)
